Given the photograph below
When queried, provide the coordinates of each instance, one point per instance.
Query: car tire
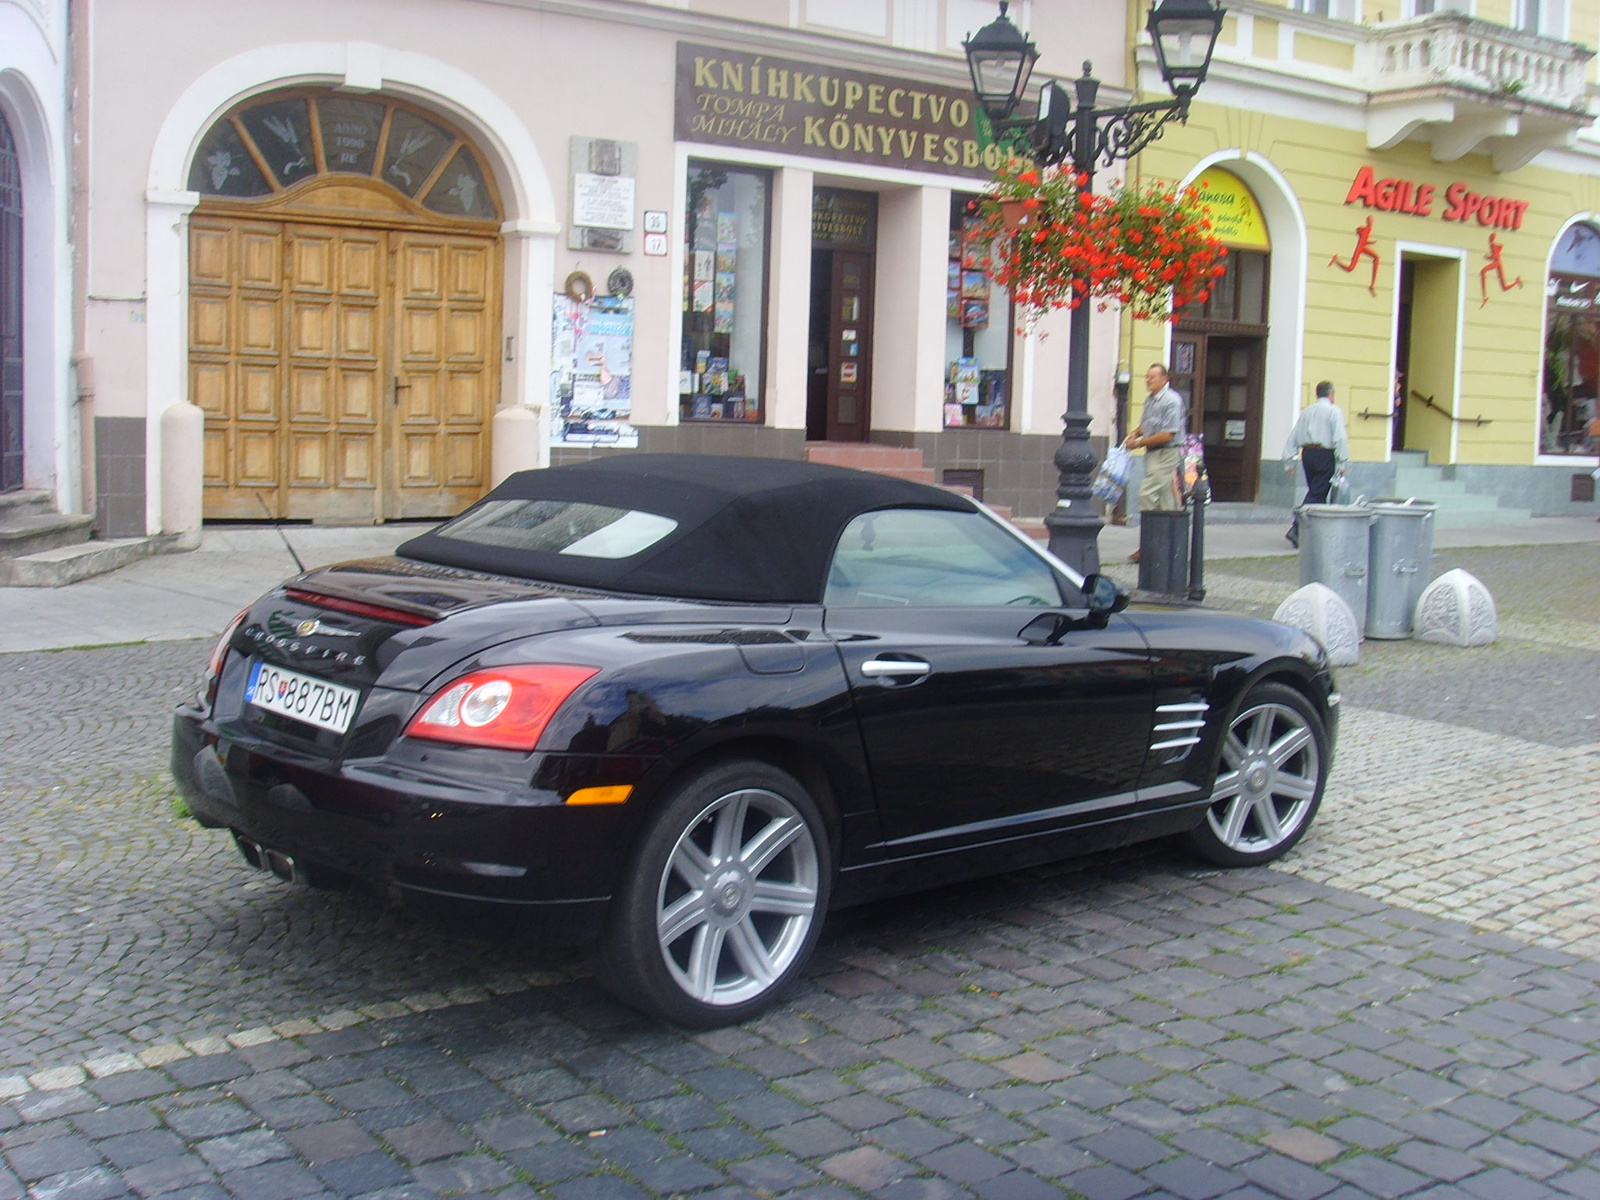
(723, 901)
(1270, 776)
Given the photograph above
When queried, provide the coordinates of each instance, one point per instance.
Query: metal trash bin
(1164, 552)
(1399, 564)
(1333, 551)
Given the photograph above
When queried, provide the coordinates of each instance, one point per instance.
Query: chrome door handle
(880, 668)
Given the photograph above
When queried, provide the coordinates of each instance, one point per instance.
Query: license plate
(314, 701)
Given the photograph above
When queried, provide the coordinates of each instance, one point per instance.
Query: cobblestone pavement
(1408, 1005)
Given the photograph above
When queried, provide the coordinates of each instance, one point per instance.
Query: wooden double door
(347, 373)
(1222, 376)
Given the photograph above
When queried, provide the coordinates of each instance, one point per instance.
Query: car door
(989, 704)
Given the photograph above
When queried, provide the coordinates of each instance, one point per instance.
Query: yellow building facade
(1410, 202)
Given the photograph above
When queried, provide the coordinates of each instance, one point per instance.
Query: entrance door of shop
(347, 373)
(1425, 354)
(1222, 376)
(839, 393)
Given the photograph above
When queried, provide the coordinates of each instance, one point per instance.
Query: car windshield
(560, 527)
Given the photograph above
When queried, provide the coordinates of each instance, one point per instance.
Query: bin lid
(1391, 504)
(1345, 512)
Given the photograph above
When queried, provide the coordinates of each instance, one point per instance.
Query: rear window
(560, 527)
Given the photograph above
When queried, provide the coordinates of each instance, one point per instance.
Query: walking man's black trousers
(1319, 464)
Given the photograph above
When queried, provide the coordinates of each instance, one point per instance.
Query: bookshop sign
(753, 101)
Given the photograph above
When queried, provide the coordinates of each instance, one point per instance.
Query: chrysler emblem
(312, 625)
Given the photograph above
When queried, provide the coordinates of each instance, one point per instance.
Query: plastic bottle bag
(1111, 480)
(1339, 489)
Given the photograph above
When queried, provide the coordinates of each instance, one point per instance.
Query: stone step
(1418, 478)
(1454, 518)
(863, 456)
(1237, 512)
(914, 473)
(69, 564)
(1034, 527)
(28, 531)
(24, 501)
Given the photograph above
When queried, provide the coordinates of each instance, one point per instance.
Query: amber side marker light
(601, 795)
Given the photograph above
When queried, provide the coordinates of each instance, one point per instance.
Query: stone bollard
(1455, 610)
(1325, 615)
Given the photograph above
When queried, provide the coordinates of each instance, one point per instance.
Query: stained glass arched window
(273, 144)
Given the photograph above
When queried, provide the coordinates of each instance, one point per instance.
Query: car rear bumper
(397, 826)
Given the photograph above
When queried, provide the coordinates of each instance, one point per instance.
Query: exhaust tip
(262, 859)
(282, 866)
(252, 852)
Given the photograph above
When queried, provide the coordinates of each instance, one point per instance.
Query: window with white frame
(1339, 10)
(1547, 17)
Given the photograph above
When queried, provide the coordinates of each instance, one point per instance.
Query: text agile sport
(1461, 203)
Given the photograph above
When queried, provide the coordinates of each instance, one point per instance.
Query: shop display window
(978, 320)
(726, 220)
(1571, 384)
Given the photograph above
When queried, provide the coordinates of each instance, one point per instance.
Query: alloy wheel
(1269, 782)
(738, 897)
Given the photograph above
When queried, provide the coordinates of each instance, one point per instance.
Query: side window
(928, 556)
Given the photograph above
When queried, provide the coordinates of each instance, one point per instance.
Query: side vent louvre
(1178, 727)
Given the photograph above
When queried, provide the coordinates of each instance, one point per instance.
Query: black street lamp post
(1001, 60)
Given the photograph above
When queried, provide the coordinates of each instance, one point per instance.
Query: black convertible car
(678, 706)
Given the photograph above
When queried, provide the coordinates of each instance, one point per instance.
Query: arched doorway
(1219, 347)
(345, 271)
(10, 311)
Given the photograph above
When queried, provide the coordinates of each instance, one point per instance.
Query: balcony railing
(1451, 49)
(1460, 84)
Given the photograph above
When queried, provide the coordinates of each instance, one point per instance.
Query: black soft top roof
(749, 529)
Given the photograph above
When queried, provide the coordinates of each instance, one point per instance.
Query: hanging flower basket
(1147, 246)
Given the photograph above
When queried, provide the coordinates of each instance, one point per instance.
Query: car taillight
(219, 655)
(503, 707)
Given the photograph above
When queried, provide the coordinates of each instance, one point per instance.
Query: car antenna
(277, 523)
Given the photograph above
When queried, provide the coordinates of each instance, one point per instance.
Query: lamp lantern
(1185, 35)
(1001, 60)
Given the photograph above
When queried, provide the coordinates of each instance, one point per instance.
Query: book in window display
(975, 251)
(991, 410)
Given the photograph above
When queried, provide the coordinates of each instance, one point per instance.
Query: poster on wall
(591, 376)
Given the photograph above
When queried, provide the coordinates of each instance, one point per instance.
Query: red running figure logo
(1495, 258)
(1363, 250)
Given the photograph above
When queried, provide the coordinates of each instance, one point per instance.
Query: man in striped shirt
(1319, 439)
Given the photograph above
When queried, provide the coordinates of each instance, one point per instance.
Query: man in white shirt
(1319, 439)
